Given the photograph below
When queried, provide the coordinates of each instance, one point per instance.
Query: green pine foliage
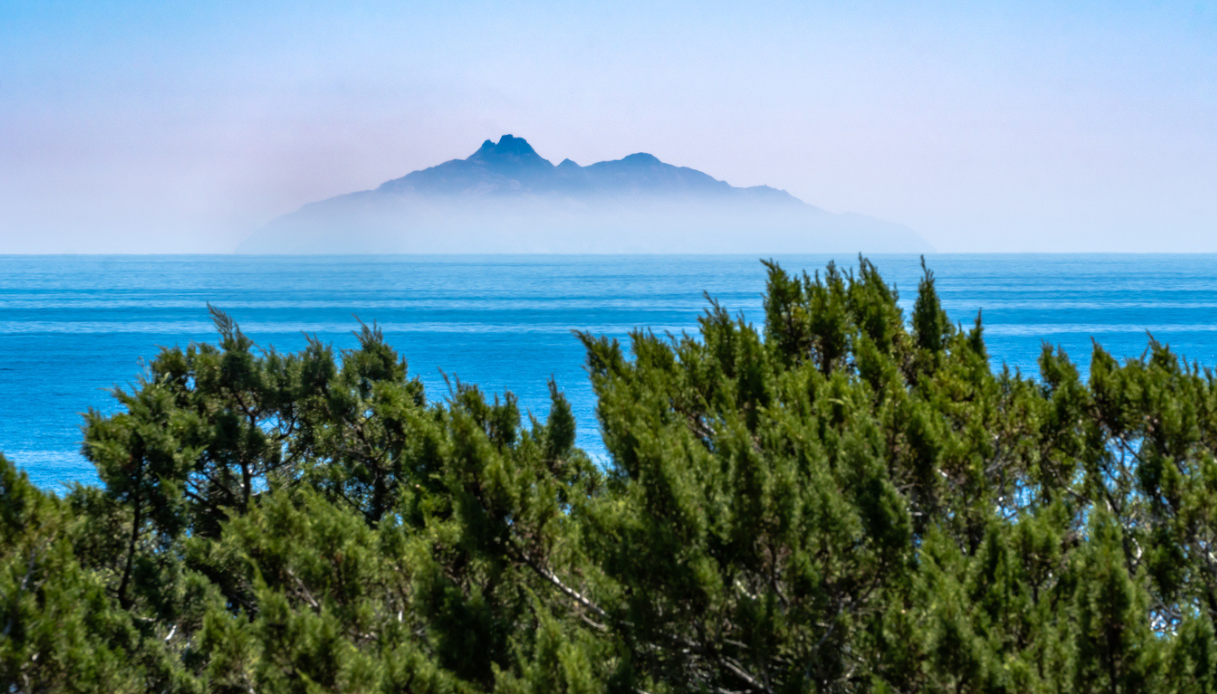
(844, 499)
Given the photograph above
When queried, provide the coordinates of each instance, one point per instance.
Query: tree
(60, 631)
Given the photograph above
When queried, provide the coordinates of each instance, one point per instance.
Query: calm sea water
(71, 327)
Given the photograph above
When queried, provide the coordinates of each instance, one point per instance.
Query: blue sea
(73, 327)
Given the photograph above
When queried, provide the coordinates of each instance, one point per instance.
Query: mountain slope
(506, 198)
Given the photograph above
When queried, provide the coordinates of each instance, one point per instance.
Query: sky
(175, 127)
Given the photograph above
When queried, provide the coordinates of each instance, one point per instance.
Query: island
(506, 198)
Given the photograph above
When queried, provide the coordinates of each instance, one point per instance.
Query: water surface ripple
(73, 326)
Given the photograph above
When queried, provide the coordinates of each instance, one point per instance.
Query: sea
(73, 328)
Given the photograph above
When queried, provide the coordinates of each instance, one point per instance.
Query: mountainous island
(506, 198)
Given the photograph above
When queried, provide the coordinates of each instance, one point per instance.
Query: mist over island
(506, 198)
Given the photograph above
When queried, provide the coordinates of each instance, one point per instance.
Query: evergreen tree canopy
(840, 500)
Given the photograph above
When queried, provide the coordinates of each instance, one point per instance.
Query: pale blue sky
(172, 126)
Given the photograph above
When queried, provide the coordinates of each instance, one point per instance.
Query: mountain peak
(642, 159)
(510, 150)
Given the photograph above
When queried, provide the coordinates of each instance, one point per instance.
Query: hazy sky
(180, 127)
